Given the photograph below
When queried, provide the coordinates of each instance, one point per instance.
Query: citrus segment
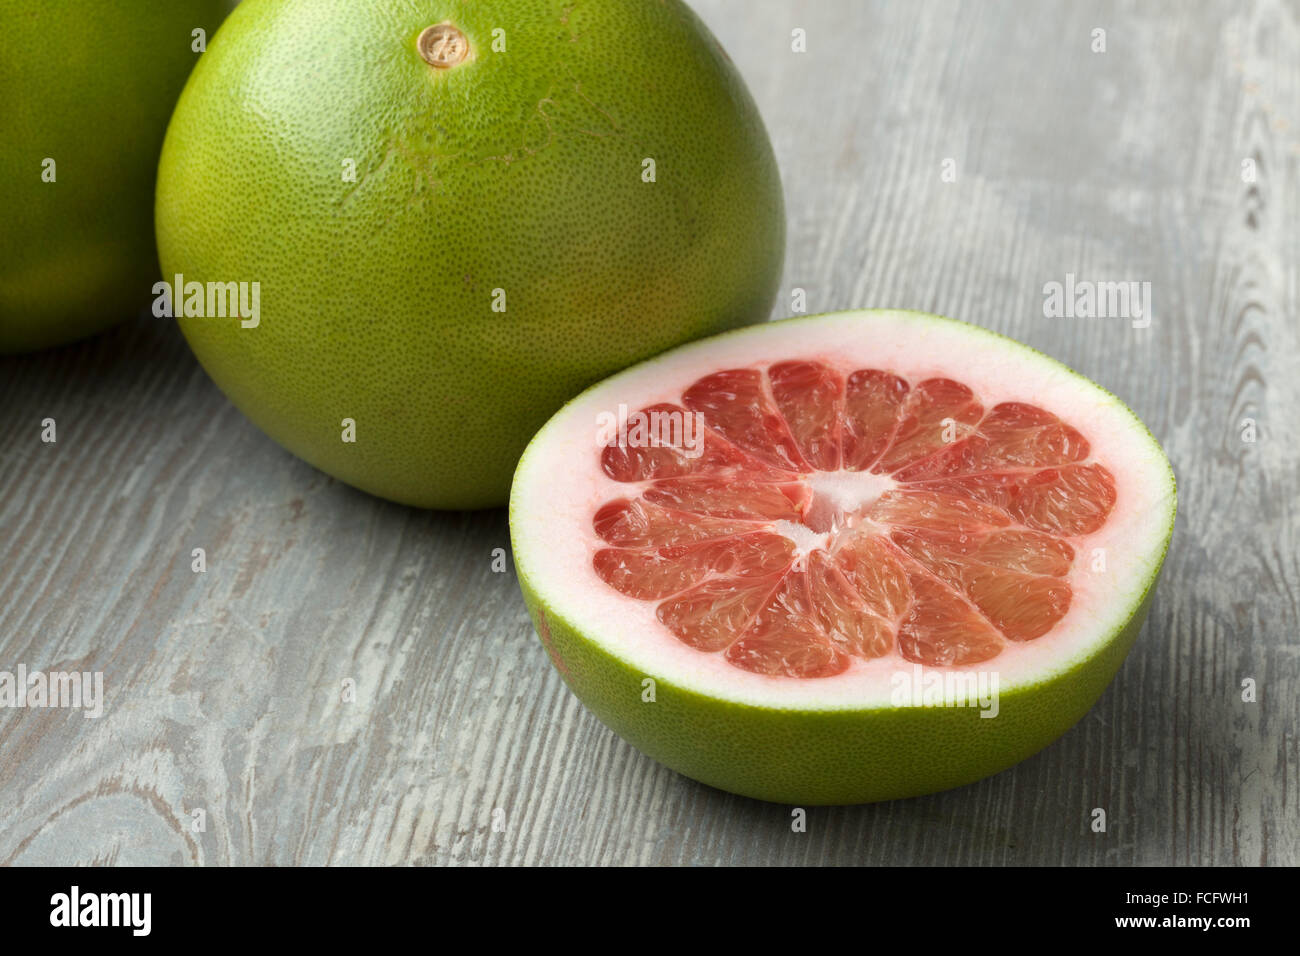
(934, 414)
(639, 458)
(784, 638)
(963, 475)
(709, 616)
(872, 403)
(653, 573)
(810, 396)
(736, 405)
(723, 498)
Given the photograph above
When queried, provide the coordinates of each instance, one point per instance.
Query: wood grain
(224, 689)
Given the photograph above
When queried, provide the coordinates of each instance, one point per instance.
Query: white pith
(805, 539)
(559, 485)
(850, 492)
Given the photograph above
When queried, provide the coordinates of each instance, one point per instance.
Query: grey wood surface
(224, 688)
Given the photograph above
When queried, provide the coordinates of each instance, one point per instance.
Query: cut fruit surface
(972, 538)
(787, 519)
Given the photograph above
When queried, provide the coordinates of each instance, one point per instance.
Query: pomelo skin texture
(514, 176)
(91, 85)
(838, 739)
(828, 757)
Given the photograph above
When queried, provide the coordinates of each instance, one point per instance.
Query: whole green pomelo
(457, 215)
(86, 88)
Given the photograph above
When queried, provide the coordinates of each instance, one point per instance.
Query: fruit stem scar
(443, 45)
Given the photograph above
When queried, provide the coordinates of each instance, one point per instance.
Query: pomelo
(88, 85)
(459, 214)
(841, 558)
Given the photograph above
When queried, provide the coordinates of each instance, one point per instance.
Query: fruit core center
(443, 46)
(841, 498)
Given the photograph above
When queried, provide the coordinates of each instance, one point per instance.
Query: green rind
(89, 84)
(832, 756)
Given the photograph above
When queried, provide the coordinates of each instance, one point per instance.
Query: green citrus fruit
(458, 213)
(842, 558)
(87, 87)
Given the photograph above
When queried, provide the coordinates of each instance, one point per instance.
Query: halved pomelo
(841, 558)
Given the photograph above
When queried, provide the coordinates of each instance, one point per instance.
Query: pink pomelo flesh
(782, 521)
(961, 535)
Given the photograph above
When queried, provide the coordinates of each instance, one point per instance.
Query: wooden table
(224, 688)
